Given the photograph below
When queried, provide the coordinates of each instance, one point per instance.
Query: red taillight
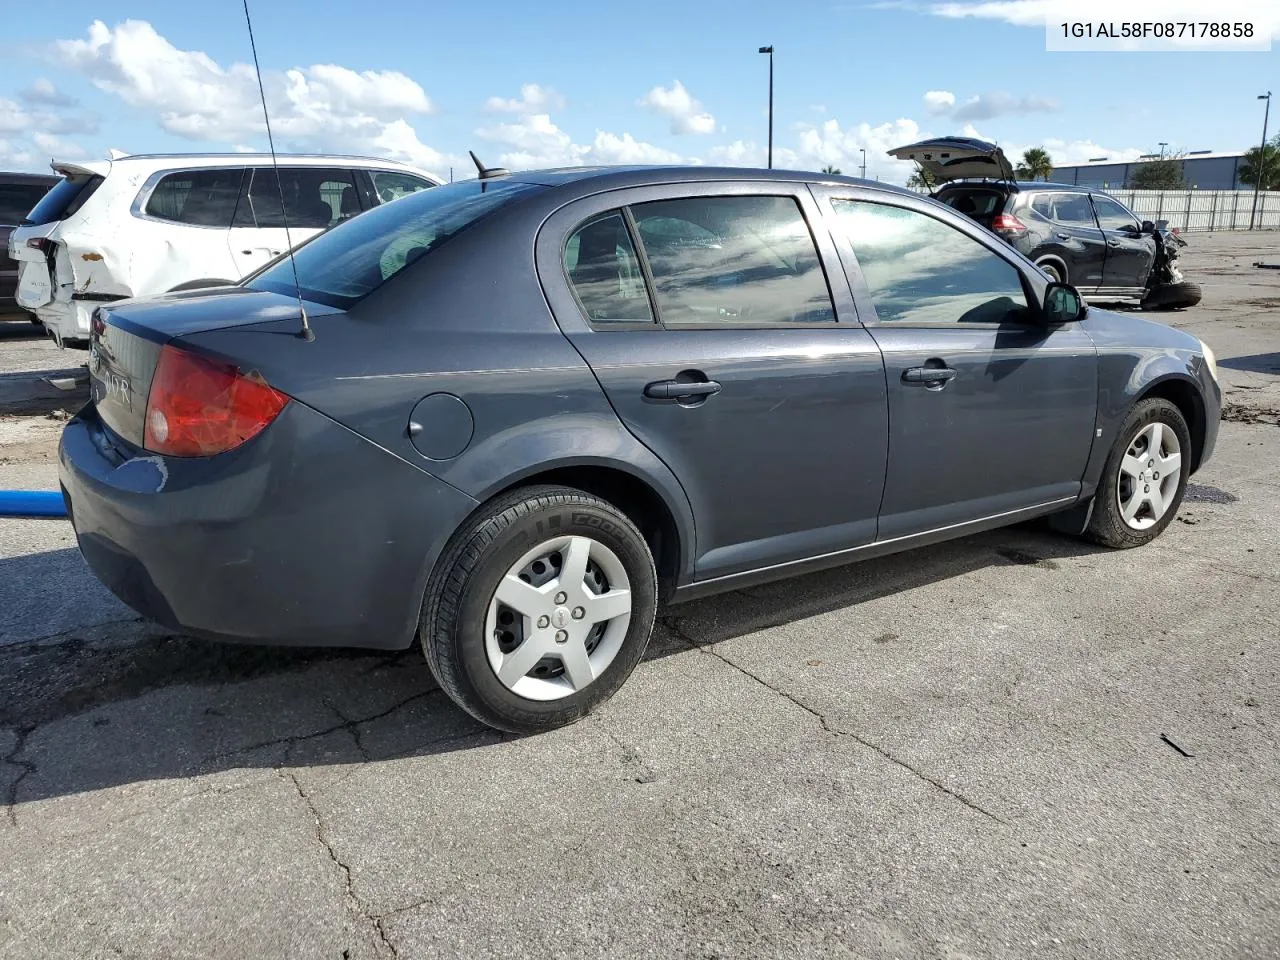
(200, 407)
(1008, 223)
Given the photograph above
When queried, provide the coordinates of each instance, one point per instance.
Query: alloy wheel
(1149, 475)
(558, 618)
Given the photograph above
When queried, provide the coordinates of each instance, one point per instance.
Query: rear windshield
(66, 197)
(974, 202)
(359, 255)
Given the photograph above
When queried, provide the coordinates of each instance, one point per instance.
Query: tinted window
(315, 198)
(974, 203)
(745, 260)
(1112, 216)
(921, 270)
(203, 198)
(1042, 203)
(17, 199)
(1072, 208)
(603, 269)
(392, 186)
(66, 197)
(359, 255)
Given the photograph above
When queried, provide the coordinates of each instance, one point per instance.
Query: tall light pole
(1262, 156)
(769, 51)
(864, 162)
(1163, 144)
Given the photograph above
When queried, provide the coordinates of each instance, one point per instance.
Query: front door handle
(679, 390)
(932, 375)
(1064, 236)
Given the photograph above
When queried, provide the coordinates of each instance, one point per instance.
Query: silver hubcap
(558, 618)
(1149, 476)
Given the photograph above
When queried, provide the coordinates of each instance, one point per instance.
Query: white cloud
(53, 145)
(830, 144)
(939, 101)
(536, 141)
(31, 135)
(42, 91)
(324, 107)
(533, 99)
(984, 106)
(678, 105)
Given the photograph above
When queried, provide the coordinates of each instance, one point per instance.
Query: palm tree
(1036, 165)
(830, 169)
(1265, 162)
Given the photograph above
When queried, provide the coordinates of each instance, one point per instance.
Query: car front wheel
(1144, 478)
(540, 608)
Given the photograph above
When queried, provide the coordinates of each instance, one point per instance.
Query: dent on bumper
(67, 319)
(307, 535)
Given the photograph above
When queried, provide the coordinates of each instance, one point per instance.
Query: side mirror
(1148, 226)
(1062, 304)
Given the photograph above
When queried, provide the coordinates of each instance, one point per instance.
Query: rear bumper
(308, 535)
(67, 320)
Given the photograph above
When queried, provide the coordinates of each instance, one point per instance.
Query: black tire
(473, 563)
(1106, 525)
(1173, 296)
(202, 284)
(1055, 270)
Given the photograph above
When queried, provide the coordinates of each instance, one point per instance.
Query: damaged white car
(138, 225)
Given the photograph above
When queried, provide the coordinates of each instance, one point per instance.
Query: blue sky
(575, 82)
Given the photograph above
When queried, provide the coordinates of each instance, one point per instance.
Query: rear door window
(603, 269)
(315, 198)
(200, 198)
(1073, 209)
(66, 197)
(733, 260)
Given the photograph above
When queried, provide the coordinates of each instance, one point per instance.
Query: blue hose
(32, 503)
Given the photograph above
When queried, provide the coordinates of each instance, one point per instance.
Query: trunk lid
(945, 159)
(126, 340)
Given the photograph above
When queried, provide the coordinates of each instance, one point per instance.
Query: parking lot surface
(1011, 745)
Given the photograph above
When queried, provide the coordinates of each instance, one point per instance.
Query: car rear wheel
(540, 608)
(1144, 477)
(1057, 273)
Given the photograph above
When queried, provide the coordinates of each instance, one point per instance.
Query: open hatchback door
(944, 159)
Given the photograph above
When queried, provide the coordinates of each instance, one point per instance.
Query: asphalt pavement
(1014, 745)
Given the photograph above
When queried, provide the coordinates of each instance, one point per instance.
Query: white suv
(138, 225)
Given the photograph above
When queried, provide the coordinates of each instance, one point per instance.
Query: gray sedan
(521, 412)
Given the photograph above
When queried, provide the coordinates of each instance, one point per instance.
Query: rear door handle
(928, 374)
(678, 390)
(1064, 236)
(1113, 243)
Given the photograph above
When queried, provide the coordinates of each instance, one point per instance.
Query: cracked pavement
(962, 751)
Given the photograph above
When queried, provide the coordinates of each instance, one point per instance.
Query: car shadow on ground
(127, 701)
(1254, 363)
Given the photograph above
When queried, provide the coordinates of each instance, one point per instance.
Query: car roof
(1020, 185)
(619, 177)
(41, 178)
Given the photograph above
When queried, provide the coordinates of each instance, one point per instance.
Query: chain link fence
(1202, 211)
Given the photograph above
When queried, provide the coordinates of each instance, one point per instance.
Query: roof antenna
(306, 333)
(486, 173)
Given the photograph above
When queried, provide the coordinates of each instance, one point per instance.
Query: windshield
(67, 196)
(358, 256)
